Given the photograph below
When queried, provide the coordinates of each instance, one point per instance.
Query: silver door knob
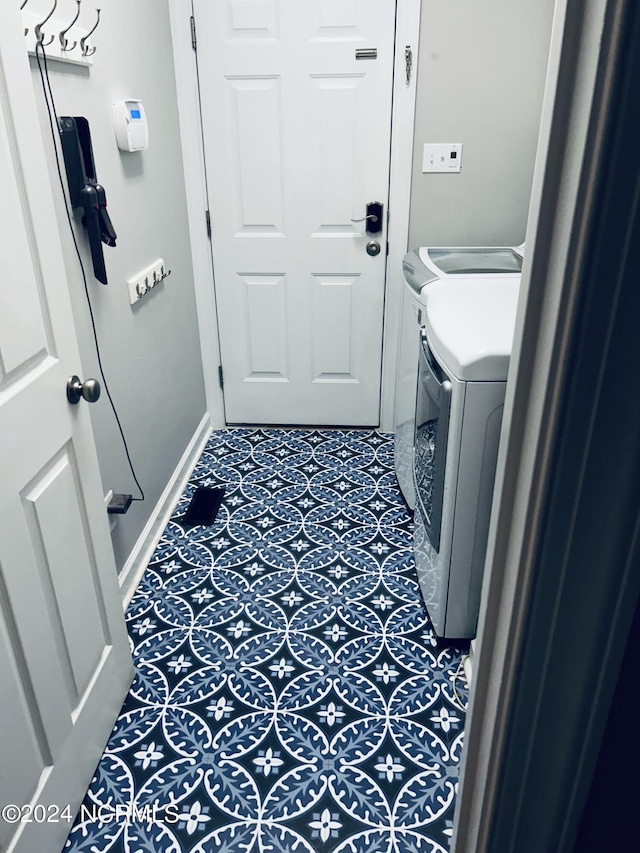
(373, 248)
(89, 390)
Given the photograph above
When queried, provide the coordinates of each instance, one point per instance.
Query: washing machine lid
(431, 265)
(472, 260)
(470, 326)
(416, 275)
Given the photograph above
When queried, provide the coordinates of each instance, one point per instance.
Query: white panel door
(65, 664)
(297, 137)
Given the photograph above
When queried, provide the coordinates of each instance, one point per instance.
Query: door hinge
(194, 40)
(208, 216)
(408, 58)
(387, 248)
(220, 376)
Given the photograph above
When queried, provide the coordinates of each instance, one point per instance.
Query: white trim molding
(134, 568)
(187, 89)
(548, 618)
(402, 128)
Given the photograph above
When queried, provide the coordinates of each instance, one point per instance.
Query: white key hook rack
(59, 31)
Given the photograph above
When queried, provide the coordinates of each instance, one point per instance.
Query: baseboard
(133, 569)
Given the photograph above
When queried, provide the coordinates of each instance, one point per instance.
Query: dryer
(465, 349)
(425, 270)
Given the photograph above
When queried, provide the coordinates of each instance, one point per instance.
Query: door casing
(407, 33)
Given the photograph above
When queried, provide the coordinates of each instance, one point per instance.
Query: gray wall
(151, 353)
(481, 78)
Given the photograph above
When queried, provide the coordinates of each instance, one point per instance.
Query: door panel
(266, 310)
(336, 18)
(332, 328)
(58, 535)
(255, 107)
(337, 179)
(297, 139)
(253, 18)
(64, 658)
(24, 342)
(26, 752)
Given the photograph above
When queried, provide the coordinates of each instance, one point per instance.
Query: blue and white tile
(289, 693)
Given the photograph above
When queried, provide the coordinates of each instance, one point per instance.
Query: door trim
(403, 112)
(402, 116)
(553, 625)
(195, 179)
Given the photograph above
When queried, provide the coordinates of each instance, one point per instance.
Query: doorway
(296, 110)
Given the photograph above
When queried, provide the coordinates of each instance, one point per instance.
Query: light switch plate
(442, 157)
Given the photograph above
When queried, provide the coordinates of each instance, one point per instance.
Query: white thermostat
(130, 123)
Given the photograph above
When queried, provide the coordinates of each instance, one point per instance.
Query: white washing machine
(465, 349)
(425, 270)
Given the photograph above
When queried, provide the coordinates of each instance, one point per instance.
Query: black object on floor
(204, 506)
(119, 504)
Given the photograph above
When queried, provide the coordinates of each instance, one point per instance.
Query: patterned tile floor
(289, 694)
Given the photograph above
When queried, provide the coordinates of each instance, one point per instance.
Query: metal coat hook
(24, 3)
(38, 30)
(64, 41)
(86, 50)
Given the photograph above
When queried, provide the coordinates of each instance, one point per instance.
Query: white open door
(296, 109)
(64, 657)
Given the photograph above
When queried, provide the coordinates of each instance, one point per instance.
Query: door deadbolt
(373, 248)
(89, 390)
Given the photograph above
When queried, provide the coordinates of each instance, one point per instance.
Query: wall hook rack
(38, 30)
(64, 41)
(86, 50)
